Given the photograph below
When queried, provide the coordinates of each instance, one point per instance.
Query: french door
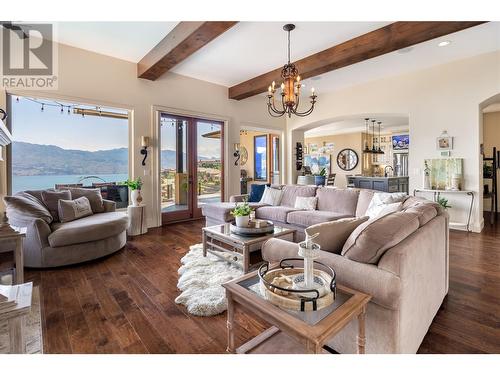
(191, 165)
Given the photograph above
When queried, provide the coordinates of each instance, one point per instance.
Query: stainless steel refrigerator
(400, 164)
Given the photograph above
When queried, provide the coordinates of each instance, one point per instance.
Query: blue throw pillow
(256, 192)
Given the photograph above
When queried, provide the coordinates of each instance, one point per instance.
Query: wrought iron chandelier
(290, 89)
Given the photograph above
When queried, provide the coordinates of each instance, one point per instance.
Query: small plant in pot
(242, 214)
(320, 178)
(135, 193)
(443, 202)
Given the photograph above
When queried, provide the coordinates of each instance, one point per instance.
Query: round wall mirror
(347, 159)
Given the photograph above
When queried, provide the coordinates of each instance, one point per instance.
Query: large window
(60, 143)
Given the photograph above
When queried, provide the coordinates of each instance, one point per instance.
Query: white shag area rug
(201, 280)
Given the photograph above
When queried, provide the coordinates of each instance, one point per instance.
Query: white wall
(93, 78)
(442, 97)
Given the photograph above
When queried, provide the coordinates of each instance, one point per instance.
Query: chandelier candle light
(290, 89)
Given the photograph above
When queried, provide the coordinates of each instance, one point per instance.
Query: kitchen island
(386, 184)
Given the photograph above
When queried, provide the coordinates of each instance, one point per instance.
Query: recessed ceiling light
(444, 43)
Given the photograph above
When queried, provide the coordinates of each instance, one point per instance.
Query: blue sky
(90, 133)
(68, 131)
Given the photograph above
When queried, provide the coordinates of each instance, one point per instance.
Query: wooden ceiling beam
(184, 40)
(387, 39)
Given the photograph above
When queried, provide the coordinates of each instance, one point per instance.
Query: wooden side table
(293, 331)
(137, 223)
(7, 233)
(15, 315)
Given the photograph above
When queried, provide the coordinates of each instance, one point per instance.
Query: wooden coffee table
(293, 331)
(234, 248)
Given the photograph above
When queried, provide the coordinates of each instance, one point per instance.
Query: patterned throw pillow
(70, 210)
(380, 201)
(306, 203)
(271, 196)
(93, 195)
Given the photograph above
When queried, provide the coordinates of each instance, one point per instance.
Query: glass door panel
(275, 160)
(209, 163)
(175, 168)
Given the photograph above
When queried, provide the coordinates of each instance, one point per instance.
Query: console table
(9, 234)
(437, 194)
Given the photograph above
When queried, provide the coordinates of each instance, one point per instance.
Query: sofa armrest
(109, 206)
(383, 286)
(238, 198)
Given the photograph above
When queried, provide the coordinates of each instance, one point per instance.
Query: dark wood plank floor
(125, 302)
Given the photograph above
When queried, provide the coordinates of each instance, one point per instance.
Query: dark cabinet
(385, 184)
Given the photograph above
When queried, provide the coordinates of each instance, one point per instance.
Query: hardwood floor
(125, 303)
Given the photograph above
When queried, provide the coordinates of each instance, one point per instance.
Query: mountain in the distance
(33, 160)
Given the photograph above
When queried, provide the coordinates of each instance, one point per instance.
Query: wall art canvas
(442, 171)
(317, 162)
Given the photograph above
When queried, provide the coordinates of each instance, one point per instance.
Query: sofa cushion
(290, 192)
(93, 195)
(50, 199)
(70, 210)
(256, 192)
(271, 196)
(372, 239)
(331, 236)
(308, 218)
(342, 201)
(365, 197)
(24, 205)
(87, 229)
(380, 200)
(273, 213)
(426, 211)
(306, 203)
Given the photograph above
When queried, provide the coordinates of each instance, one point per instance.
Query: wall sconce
(236, 153)
(144, 150)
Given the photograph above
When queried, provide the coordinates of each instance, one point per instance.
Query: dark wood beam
(378, 42)
(184, 40)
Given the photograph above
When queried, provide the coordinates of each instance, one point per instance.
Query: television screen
(400, 142)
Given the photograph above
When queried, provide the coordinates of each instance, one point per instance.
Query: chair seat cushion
(87, 229)
(308, 218)
(273, 213)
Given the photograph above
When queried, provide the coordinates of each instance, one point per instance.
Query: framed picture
(313, 147)
(444, 143)
(400, 142)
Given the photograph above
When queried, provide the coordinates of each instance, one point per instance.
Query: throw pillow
(425, 211)
(24, 205)
(306, 203)
(50, 199)
(380, 200)
(333, 234)
(256, 192)
(369, 241)
(271, 196)
(70, 210)
(93, 195)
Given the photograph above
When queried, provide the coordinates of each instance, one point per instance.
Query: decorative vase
(136, 197)
(319, 180)
(427, 176)
(242, 221)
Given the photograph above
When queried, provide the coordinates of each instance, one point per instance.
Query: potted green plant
(443, 202)
(135, 194)
(241, 214)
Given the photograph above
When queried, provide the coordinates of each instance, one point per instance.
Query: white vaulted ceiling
(251, 48)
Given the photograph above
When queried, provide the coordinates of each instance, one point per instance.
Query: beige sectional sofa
(52, 244)
(408, 280)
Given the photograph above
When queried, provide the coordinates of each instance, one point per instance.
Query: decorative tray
(281, 286)
(252, 230)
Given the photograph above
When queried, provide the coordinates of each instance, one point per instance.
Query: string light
(42, 107)
(62, 109)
